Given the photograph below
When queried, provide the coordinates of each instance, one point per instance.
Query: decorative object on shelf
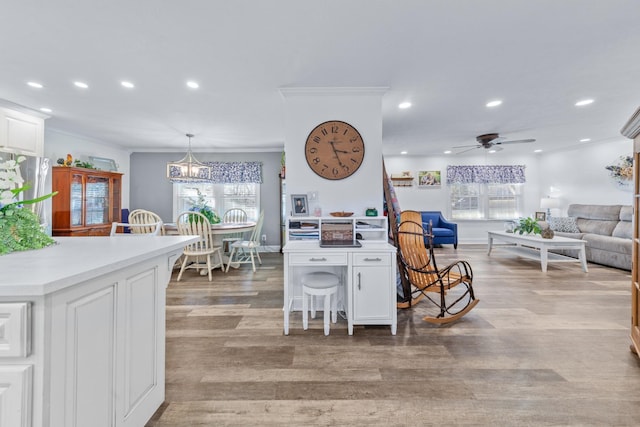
(527, 225)
(68, 161)
(299, 204)
(200, 205)
(371, 212)
(429, 179)
(283, 168)
(341, 214)
(20, 228)
(622, 172)
(188, 169)
(102, 163)
(509, 226)
(402, 180)
(547, 233)
(334, 150)
(81, 164)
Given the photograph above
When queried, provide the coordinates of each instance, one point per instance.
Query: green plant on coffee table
(527, 225)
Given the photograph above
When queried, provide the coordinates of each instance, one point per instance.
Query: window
(486, 201)
(220, 197)
(486, 192)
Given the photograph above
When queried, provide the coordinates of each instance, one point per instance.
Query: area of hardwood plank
(540, 349)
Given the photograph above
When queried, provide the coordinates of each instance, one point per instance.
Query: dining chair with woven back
(198, 255)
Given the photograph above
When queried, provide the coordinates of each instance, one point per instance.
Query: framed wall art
(541, 216)
(429, 179)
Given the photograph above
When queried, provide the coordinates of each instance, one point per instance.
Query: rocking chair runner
(428, 281)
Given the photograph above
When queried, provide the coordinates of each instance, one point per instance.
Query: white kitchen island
(82, 331)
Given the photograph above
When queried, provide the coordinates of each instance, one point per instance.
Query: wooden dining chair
(449, 289)
(151, 229)
(198, 255)
(244, 251)
(233, 216)
(142, 217)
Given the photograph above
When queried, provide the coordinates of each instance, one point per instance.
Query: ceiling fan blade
(468, 149)
(466, 146)
(515, 141)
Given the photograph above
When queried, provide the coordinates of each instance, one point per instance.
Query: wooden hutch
(88, 201)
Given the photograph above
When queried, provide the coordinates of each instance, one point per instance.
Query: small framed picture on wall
(429, 179)
(541, 216)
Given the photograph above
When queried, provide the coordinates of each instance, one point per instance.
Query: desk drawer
(375, 259)
(338, 258)
(15, 330)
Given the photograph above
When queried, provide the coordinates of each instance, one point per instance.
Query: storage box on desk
(337, 231)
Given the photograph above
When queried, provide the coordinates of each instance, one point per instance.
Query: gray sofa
(607, 229)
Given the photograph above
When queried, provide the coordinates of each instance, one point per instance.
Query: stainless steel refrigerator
(36, 172)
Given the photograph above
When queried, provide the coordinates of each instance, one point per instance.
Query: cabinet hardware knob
(317, 259)
(359, 284)
(373, 259)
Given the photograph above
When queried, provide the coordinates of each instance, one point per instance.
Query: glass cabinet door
(97, 200)
(76, 200)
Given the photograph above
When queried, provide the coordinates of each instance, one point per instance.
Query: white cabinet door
(15, 395)
(372, 302)
(21, 133)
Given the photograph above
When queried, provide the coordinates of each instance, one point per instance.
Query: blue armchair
(444, 231)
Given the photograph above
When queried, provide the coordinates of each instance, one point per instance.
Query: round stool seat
(320, 283)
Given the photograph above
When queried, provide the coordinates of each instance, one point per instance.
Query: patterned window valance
(235, 172)
(513, 174)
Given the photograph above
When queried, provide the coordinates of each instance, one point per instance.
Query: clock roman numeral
(324, 131)
(334, 129)
(316, 139)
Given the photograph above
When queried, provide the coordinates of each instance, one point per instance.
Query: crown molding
(632, 128)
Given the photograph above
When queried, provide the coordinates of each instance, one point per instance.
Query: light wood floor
(539, 349)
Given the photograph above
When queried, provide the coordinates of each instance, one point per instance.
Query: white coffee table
(535, 247)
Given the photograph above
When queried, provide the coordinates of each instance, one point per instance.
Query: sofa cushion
(601, 212)
(624, 230)
(626, 213)
(596, 226)
(565, 224)
(608, 243)
(442, 232)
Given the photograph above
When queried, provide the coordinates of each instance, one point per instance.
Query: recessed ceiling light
(447, 152)
(128, 85)
(35, 84)
(403, 152)
(584, 102)
(404, 105)
(81, 85)
(537, 151)
(46, 110)
(492, 151)
(193, 85)
(494, 103)
(585, 140)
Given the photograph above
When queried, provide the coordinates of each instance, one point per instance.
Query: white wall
(360, 107)
(57, 144)
(576, 176)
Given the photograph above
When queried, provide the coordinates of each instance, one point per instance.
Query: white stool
(320, 283)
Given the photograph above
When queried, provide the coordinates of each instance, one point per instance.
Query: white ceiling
(447, 57)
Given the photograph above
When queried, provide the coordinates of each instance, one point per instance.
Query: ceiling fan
(490, 140)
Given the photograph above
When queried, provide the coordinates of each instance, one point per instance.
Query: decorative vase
(547, 233)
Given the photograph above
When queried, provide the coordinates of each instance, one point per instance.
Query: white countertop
(77, 259)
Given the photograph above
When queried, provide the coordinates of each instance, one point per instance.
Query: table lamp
(548, 203)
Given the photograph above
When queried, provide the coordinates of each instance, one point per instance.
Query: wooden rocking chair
(427, 280)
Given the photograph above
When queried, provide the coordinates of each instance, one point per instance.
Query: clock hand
(335, 152)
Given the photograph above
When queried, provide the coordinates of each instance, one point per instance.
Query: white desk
(535, 247)
(368, 276)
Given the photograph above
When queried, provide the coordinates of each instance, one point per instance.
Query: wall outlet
(264, 238)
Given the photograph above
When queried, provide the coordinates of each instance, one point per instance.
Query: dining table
(218, 231)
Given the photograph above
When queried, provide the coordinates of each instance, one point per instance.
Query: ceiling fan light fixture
(188, 169)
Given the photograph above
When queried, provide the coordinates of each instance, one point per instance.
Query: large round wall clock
(334, 150)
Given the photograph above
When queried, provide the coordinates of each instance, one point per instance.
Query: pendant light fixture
(188, 169)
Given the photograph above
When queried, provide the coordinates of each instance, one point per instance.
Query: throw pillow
(565, 224)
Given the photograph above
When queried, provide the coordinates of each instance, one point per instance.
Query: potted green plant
(527, 225)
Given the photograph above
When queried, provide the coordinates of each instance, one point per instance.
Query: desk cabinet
(21, 133)
(373, 297)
